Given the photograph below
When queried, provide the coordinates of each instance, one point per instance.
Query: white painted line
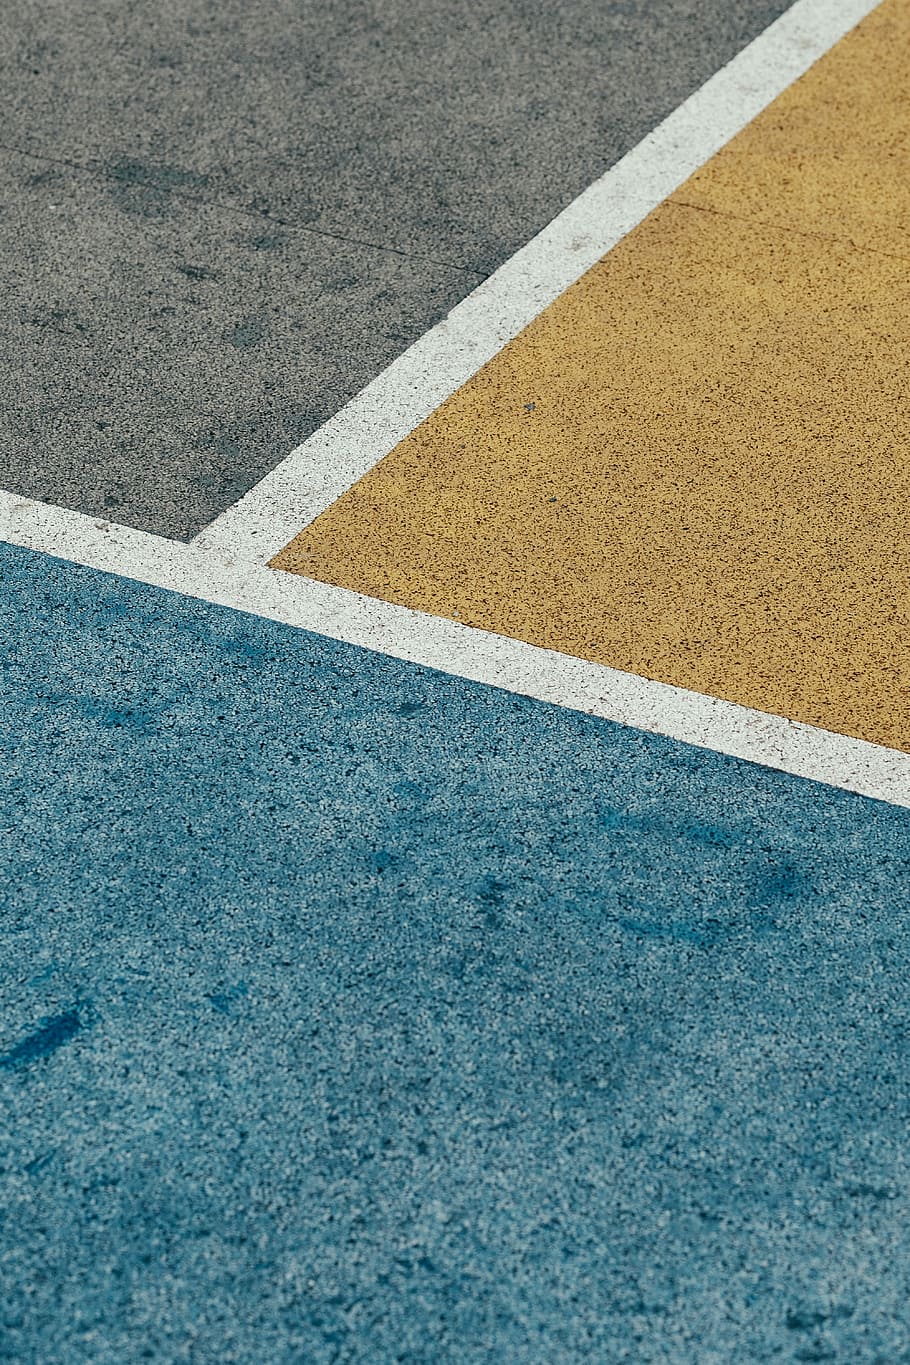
(212, 576)
(314, 475)
(225, 565)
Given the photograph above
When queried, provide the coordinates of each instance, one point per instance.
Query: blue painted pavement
(352, 1012)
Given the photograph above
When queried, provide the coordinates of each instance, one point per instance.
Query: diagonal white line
(213, 576)
(225, 565)
(314, 475)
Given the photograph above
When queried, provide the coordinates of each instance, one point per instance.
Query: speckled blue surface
(356, 1013)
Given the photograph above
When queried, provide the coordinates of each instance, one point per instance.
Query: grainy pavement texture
(222, 220)
(454, 721)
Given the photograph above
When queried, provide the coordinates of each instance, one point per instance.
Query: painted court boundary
(462, 651)
(316, 474)
(226, 564)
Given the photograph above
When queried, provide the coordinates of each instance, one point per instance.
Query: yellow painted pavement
(695, 465)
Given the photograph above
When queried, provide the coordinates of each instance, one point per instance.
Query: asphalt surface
(355, 1013)
(220, 222)
(352, 1012)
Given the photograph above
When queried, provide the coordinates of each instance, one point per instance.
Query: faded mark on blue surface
(677, 931)
(123, 717)
(224, 1001)
(38, 1164)
(493, 894)
(616, 820)
(780, 882)
(52, 1034)
(863, 1190)
(116, 714)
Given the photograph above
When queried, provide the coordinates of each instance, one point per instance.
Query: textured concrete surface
(398, 153)
(693, 466)
(356, 1013)
(158, 360)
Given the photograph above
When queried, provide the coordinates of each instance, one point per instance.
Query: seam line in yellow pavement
(786, 228)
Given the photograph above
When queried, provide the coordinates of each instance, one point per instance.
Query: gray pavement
(218, 223)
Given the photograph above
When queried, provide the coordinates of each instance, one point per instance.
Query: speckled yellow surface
(695, 465)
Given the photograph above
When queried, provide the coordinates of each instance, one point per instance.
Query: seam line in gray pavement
(242, 211)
